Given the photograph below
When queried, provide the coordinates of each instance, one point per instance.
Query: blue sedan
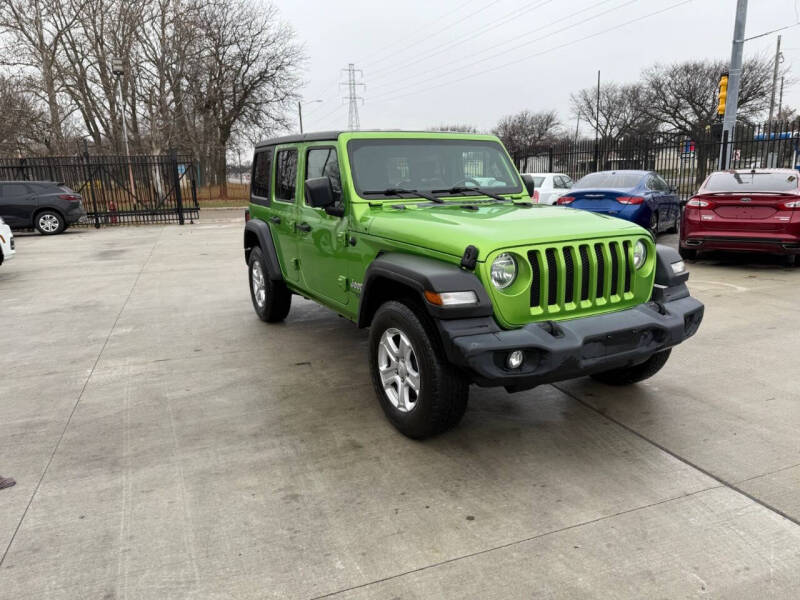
(639, 196)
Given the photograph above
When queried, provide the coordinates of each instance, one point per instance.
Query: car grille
(571, 277)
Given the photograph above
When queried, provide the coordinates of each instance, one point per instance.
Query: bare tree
(525, 129)
(25, 124)
(683, 98)
(621, 111)
(455, 127)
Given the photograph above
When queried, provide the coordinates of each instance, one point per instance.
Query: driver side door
(321, 238)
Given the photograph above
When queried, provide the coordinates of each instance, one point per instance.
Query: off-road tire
(636, 373)
(277, 298)
(444, 392)
(49, 222)
(687, 253)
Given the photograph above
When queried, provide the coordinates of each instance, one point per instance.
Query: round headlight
(639, 254)
(504, 271)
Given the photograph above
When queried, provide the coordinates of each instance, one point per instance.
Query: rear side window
(14, 189)
(262, 167)
(751, 182)
(285, 175)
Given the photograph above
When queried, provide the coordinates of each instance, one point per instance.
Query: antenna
(354, 77)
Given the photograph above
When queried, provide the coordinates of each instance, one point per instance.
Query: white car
(6, 242)
(546, 188)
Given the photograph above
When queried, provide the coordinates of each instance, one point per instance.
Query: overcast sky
(429, 62)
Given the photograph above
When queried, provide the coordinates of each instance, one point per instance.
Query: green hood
(450, 229)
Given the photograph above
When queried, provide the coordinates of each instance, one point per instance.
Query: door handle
(304, 227)
(275, 220)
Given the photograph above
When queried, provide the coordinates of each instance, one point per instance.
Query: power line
(506, 51)
(473, 62)
(519, 60)
(439, 49)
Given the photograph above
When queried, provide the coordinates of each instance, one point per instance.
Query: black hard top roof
(317, 136)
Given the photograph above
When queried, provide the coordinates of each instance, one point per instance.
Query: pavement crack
(515, 542)
(77, 402)
(768, 473)
(675, 455)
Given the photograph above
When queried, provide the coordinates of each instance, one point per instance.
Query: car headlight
(503, 271)
(639, 254)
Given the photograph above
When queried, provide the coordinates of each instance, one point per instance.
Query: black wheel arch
(394, 276)
(257, 233)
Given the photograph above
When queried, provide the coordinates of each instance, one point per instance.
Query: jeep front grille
(579, 276)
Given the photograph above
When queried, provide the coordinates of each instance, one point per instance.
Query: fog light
(514, 359)
(678, 267)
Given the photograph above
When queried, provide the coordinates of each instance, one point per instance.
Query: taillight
(70, 197)
(630, 199)
(565, 200)
(697, 203)
(535, 195)
(791, 204)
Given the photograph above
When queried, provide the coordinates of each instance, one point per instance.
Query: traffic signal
(723, 94)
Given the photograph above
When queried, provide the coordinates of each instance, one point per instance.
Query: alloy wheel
(399, 370)
(49, 223)
(259, 284)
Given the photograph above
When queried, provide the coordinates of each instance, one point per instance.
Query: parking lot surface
(168, 444)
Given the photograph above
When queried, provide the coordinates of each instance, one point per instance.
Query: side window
(561, 183)
(323, 162)
(14, 189)
(664, 185)
(262, 168)
(285, 175)
(652, 184)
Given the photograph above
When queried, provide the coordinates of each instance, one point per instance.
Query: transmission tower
(353, 84)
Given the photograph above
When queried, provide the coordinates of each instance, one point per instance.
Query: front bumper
(555, 351)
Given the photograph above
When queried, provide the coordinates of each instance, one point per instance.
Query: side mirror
(673, 189)
(320, 194)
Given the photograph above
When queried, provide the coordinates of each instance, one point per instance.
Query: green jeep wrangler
(430, 240)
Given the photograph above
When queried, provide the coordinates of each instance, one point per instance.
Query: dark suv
(48, 206)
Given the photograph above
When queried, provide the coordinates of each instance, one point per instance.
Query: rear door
(283, 210)
(18, 204)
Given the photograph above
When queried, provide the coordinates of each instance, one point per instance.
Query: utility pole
(118, 69)
(778, 58)
(734, 80)
(780, 99)
(353, 83)
(300, 115)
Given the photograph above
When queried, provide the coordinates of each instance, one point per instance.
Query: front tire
(653, 225)
(271, 299)
(636, 373)
(49, 222)
(420, 392)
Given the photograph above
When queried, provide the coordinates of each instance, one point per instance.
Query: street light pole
(300, 111)
(118, 69)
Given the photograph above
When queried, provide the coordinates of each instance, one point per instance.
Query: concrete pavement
(167, 444)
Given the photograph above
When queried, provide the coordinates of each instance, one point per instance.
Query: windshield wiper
(460, 189)
(396, 191)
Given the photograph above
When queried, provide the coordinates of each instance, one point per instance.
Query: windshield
(750, 182)
(430, 164)
(609, 180)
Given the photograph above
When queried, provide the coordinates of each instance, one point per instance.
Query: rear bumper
(76, 214)
(772, 244)
(555, 351)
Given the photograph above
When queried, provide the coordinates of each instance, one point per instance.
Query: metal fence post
(176, 178)
(550, 159)
(88, 173)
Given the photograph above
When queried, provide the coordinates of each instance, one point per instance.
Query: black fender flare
(259, 231)
(421, 273)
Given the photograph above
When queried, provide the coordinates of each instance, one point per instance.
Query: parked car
(7, 250)
(47, 206)
(546, 188)
(458, 283)
(753, 210)
(639, 196)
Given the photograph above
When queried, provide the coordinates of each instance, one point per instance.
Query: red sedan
(753, 210)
